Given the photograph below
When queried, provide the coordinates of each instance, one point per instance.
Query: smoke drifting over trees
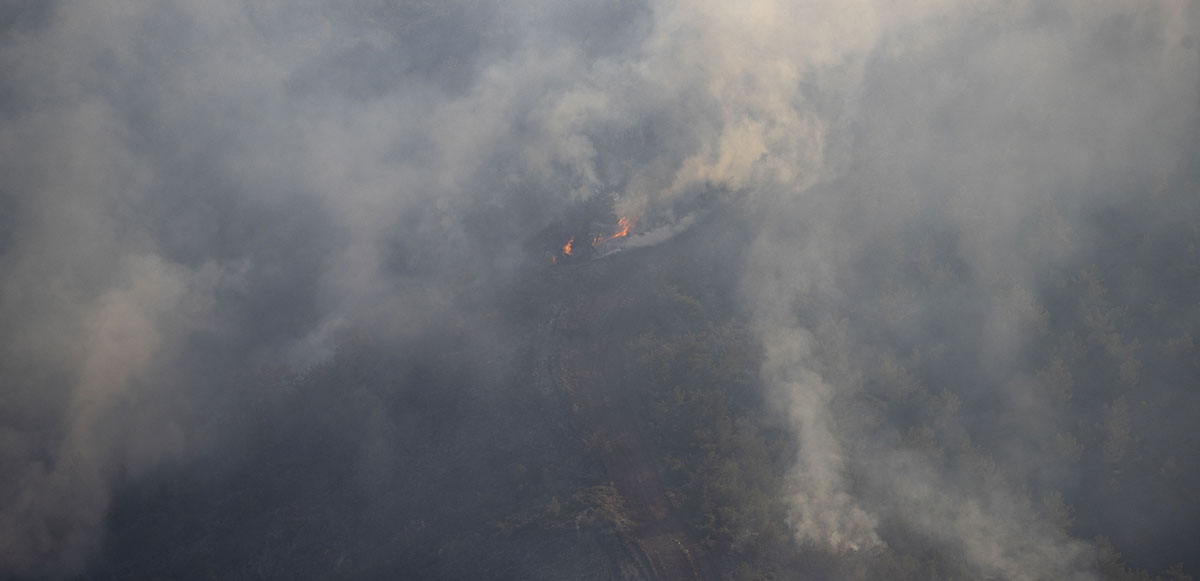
(910, 290)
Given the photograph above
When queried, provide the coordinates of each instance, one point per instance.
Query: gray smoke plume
(189, 188)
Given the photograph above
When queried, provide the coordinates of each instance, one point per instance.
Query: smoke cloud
(192, 189)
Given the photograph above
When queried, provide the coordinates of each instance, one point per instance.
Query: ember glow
(915, 297)
(624, 225)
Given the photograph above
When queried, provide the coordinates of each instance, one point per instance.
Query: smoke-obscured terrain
(612, 289)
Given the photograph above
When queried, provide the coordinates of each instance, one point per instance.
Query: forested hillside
(392, 456)
(600, 289)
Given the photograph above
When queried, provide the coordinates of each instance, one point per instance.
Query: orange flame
(624, 225)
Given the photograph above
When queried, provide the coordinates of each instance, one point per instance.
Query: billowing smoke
(190, 189)
(1007, 172)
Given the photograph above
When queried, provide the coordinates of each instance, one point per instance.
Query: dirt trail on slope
(586, 366)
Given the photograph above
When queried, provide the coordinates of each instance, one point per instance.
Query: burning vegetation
(624, 225)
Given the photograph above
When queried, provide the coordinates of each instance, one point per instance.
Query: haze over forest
(604, 289)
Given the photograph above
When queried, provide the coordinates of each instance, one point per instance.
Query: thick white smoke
(276, 176)
(789, 85)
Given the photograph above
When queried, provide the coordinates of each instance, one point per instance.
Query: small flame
(624, 225)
